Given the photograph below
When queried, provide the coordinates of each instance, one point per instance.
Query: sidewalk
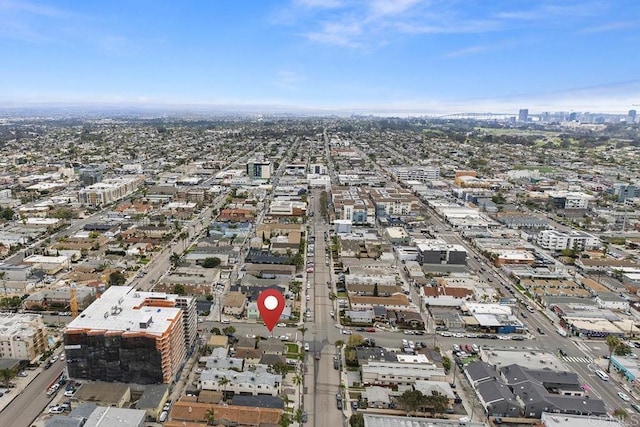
(21, 383)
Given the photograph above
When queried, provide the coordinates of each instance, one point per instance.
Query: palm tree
(174, 259)
(222, 382)
(612, 342)
(210, 416)
(297, 380)
(286, 400)
(285, 420)
(338, 344)
(302, 330)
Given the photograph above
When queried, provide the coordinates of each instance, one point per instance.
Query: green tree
(216, 331)
(375, 290)
(622, 350)
(621, 414)
(211, 262)
(446, 363)
(174, 259)
(297, 417)
(117, 278)
(179, 289)
(356, 420)
(222, 382)
(355, 340)
(285, 420)
(295, 287)
(411, 400)
(437, 402)
(612, 342)
(6, 375)
(280, 368)
(7, 214)
(229, 330)
(210, 415)
(338, 344)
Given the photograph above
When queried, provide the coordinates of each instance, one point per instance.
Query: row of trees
(414, 400)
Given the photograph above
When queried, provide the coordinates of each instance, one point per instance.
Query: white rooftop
(121, 309)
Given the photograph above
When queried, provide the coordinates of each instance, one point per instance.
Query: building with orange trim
(128, 336)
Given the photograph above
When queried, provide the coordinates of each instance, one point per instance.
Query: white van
(163, 416)
(603, 375)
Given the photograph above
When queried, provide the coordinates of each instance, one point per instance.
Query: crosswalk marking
(576, 359)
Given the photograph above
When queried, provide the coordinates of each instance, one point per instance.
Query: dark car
(339, 404)
(540, 331)
(317, 355)
(304, 417)
(562, 352)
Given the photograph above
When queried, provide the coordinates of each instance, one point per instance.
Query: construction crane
(73, 300)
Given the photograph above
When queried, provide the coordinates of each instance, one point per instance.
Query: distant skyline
(406, 56)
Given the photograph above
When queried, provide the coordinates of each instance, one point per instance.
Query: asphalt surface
(30, 402)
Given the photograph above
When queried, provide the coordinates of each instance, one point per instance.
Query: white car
(69, 393)
(306, 346)
(56, 410)
(624, 396)
(346, 332)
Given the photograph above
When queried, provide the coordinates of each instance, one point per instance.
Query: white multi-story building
(22, 336)
(247, 382)
(555, 240)
(397, 373)
(416, 173)
(108, 191)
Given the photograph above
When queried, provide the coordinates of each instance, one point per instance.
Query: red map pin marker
(270, 303)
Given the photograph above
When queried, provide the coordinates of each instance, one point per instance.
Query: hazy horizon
(418, 56)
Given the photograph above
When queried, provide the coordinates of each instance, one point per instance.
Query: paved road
(28, 405)
(323, 382)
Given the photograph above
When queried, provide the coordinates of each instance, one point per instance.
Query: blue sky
(361, 55)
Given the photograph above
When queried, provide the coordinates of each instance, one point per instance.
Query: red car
(310, 270)
(370, 330)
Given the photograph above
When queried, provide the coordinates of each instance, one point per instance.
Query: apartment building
(22, 336)
(353, 204)
(128, 336)
(108, 191)
(416, 173)
(397, 373)
(247, 382)
(393, 201)
(555, 240)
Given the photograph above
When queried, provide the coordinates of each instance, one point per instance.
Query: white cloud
(471, 50)
(612, 26)
(322, 4)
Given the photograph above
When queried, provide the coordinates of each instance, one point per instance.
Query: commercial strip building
(131, 336)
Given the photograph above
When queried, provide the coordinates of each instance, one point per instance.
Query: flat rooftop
(122, 308)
